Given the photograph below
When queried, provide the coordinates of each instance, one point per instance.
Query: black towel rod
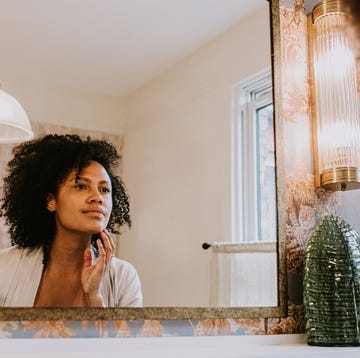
(205, 245)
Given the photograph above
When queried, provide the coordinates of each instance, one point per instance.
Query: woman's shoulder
(8, 258)
(123, 286)
(11, 251)
(16, 252)
(122, 265)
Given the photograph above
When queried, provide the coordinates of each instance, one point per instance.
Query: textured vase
(332, 284)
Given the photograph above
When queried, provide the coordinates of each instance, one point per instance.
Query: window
(253, 186)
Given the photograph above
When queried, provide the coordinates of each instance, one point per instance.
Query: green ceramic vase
(332, 284)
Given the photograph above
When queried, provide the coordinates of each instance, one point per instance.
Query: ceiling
(108, 46)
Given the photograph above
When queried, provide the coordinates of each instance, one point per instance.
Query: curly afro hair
(37, 169)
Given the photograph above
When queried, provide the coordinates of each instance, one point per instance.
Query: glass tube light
(336, 121)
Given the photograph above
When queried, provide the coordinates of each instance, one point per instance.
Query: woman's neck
(67, 252)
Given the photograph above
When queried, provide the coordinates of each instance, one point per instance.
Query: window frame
(248, 96)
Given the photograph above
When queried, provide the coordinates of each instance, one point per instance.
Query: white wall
(64, 106)
(177, 163)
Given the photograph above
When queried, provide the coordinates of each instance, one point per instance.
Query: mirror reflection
(178, 153)
(178, 145)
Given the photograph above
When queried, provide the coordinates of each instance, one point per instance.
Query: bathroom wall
(305, 205)
(177, 150)
(47, 103)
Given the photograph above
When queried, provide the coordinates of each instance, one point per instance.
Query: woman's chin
(96, 230)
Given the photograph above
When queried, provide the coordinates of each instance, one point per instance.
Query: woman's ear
(51, 202)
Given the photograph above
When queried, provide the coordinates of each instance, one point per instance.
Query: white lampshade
(14, 123)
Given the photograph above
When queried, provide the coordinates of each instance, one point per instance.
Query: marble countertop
(292, 345)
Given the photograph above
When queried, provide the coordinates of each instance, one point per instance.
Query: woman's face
(83, 205)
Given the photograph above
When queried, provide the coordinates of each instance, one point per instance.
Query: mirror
(163, 309)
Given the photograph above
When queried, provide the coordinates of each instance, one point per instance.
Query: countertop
(292, 345)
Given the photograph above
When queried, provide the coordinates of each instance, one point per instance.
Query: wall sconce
(14, 123)
(334, 101)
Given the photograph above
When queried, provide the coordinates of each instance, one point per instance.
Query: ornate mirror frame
(161, 313)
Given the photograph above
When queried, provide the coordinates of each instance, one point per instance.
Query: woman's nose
(95, 197)
(96, 200)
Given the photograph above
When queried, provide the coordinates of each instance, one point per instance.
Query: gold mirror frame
(177, 313)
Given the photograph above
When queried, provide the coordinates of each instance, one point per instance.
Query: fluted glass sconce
(14, 123)
(334, 101)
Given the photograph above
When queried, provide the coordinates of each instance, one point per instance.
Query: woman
(61, 200)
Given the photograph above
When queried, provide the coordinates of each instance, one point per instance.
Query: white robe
(21, 270)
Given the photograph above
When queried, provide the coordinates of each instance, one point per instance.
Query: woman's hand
(92, 275)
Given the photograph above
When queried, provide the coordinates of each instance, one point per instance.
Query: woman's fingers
(92, 274)
(102, 253)
(87, 258)
(108, 245)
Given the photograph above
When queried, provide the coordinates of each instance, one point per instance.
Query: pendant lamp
(15, 126)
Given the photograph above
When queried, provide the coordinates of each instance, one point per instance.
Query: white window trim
(244, 221)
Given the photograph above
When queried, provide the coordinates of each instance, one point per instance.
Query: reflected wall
(177, 155)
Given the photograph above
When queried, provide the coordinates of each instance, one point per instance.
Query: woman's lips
(94, 212)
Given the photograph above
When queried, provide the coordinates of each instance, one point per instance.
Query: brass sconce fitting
(334, 98)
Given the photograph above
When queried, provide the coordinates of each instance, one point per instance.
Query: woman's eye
(105, 190)
(80, 186)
